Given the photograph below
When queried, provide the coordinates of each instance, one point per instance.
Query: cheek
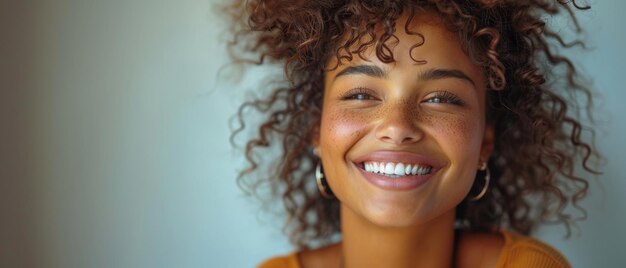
(460, 139)
(340, 129)
(459, 135)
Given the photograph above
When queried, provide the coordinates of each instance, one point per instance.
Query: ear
(488, 143)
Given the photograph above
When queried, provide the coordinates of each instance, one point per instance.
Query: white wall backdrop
(114, 137)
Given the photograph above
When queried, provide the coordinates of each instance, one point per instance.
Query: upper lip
(398, 157)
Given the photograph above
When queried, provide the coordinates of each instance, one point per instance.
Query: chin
(410, 212)
(389, 216)
(395, 222)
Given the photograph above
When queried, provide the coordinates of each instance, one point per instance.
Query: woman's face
(378, 118)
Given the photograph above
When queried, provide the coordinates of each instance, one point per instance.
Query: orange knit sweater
(518, 251)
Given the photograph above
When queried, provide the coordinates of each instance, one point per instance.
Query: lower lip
(400, 183)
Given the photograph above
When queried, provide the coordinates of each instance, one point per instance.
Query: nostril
(408, 139)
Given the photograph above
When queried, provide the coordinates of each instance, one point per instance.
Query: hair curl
(538, 142)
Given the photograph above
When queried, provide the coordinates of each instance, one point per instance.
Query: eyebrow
(369, 70)
(430, 74)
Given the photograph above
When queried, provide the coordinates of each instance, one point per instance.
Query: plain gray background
(114, 140)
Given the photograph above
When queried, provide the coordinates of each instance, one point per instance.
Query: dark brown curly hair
(539, 143)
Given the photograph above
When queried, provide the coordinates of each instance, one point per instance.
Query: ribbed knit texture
(518, 252)
(521, 251)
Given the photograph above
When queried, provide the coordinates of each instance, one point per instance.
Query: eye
(360, 94)
(445, 97)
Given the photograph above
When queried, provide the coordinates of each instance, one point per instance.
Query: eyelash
(368, 94)
(449, 98)
(360, 91)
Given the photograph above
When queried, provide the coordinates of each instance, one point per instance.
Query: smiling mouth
(396, 170)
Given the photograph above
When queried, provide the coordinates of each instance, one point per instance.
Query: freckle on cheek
(458, 130)
(343, 124)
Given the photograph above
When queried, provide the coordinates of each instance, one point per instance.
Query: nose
(399, 125)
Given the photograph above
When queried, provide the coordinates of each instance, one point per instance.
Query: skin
(399, 109)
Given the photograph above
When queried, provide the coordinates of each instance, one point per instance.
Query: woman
(436, 132)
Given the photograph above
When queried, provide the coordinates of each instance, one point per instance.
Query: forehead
(422, 43)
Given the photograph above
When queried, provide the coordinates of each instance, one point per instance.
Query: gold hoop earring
(322, 184)
(487, 177)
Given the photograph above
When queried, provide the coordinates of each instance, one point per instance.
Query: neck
(425, 245)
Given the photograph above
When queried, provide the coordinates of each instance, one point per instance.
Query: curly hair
(538, 142)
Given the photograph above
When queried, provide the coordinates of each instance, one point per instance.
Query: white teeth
(389, 168)
(399, 170)
(396, 169)
(423, 170)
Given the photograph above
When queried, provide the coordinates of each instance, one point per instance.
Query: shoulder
(322, 257)
(506, 249)
(523, 251)
(286, 261)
